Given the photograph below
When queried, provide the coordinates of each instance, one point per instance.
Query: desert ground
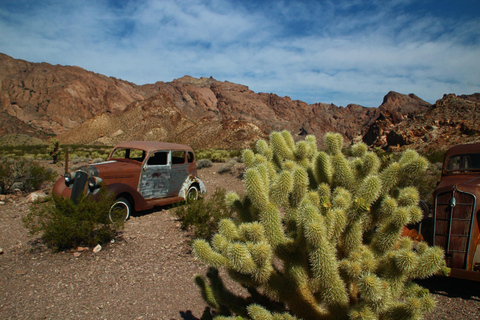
(147, 273)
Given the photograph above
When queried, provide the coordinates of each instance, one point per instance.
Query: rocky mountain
(79, 106)
(450, 121)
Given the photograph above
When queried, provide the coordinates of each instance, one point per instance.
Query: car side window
(178, 157)
(159, 158)
(190, 157)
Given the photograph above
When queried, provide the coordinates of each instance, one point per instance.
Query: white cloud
(344, 53)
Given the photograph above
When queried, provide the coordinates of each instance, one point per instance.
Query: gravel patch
(147, 273)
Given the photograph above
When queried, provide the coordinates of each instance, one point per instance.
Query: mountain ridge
(80, 106)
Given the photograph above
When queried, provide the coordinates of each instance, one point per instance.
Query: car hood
(114, 168)
(462, 182)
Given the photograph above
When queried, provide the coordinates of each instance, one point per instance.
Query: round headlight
(94, 182)
(68, 177)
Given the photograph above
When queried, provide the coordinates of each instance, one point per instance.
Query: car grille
(453, 222)
(79, 183)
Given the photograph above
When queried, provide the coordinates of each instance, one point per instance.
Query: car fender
(119, 188)
(192, 179)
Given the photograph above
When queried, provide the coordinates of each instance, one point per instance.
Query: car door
(179, 172)
(156, 175)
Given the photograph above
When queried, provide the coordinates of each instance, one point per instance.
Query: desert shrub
(317, 235)
(203, 215)
(204, 163)
(227, 166)
(23, 174)
(54, 149)
(435, 156)
(217, 155)
(64, 225)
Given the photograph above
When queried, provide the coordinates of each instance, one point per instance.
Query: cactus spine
(318, 236)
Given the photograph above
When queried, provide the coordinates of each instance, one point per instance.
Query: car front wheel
(192, 194)
(120, 210)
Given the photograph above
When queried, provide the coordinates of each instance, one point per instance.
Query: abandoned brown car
(456, 217)
(141, 175)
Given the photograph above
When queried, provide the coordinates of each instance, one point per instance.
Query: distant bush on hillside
(23, 174)
(204, 163)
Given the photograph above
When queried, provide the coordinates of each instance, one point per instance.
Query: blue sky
(336, 52)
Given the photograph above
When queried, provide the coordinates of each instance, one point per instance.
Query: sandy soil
(146, 274)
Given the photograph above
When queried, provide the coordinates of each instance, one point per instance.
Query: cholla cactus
(318, 236)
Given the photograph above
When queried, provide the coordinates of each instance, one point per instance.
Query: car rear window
(178, 157)
(464, 162)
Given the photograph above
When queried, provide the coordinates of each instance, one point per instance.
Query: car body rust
(455, 224)
(144, 174)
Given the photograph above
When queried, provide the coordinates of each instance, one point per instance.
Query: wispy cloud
(316, 51)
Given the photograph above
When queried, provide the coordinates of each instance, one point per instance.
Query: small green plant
(54, 149)
(227, 166)
(64, 225)
(204, 163)
(23, 174)
(203, 215)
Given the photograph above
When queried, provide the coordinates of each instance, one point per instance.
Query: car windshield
(126, 153)
(463, 162)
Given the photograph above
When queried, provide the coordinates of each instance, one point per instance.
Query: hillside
(79, 106)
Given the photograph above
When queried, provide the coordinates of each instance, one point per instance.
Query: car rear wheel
(192, 194)
(120, 210)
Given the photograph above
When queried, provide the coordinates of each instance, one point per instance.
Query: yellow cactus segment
(263, 149)
(416, 214)
(261, 253)
(400, 217)
(390, 177)
(370, 189)
(300, 185)
(415, 166)
(406, 260)
(228, 229)
(370, 287)
(280, 147)
(231, 199)
(408, 197)
(333, 143)
(371, 164)
(254, 188)
(264, 175)
(429, 262)
(341, 198)
(282, 187)
(287, 136)
(323, 168)
(387, 208)
(272, 223)
(248, 158)
(204, 252)
(252, 232)
(256, 312)
(240, 258)
(301, 150)
(362, 312)
(343, 175)
(359, 149)
(220, 243)
(337, 224)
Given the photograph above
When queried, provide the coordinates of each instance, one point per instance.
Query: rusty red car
(140, 174)
(456, 216)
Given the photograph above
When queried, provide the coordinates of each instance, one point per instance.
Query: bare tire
(120, 210)
(192, 194)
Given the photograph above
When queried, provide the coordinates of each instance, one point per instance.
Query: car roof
(153, 146)
(462, 149)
